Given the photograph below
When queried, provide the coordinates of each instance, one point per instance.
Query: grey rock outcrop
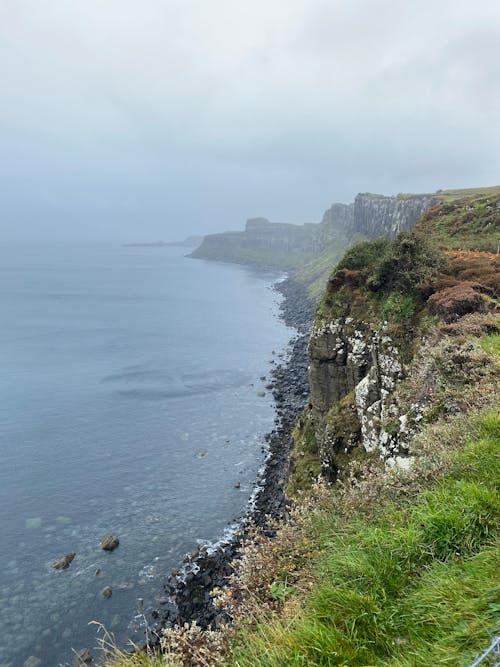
(377, 215)
(268, 242)
(351, 359)
(338, 362)
(338, 222)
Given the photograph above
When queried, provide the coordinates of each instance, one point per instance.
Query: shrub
(352, 278)
(451, 303)
(399, 307)
(364, 254)
(409, 261)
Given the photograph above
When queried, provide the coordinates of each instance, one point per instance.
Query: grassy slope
(262, 257)
(465, 223)
(411, 581)
(316, 271)
(473, 193)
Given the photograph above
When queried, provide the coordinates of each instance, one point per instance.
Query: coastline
(187, 589)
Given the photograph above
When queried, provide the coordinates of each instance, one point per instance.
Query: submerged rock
(109, 542)
(64, 563)
(107, 592)
(32, 661)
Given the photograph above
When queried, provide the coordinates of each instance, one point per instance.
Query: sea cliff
(288, 246)
(386, 552)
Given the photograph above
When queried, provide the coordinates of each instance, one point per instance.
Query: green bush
(400, 265)
(410, 260)
(364, 254)
(399, 307)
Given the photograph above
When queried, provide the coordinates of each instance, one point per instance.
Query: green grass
(466, 224)
(264, 257)
(315, 273)
(416, 585)
(491, 344)
(304, 461)
(467, 193)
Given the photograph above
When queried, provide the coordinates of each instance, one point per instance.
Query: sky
(140, 120)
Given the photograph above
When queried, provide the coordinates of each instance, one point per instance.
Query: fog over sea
(129, 406)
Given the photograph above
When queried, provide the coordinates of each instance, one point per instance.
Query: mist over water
(128, 406)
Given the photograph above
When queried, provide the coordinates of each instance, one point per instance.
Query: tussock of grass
(415, 585)
(491, 344)
(112, 656)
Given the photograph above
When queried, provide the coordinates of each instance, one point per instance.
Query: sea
(133, 402)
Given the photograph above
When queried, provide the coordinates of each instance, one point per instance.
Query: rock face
(339, 359)
(338, 221)
(261, 234)
(354, 369)
(376, 215)
(274, 243)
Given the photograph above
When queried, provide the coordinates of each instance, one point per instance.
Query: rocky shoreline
(187, 590)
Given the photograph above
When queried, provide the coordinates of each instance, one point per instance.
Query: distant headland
(189, 242)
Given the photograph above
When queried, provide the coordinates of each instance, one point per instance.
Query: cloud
(205, 113)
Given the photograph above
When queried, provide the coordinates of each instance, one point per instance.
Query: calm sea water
(128, 406)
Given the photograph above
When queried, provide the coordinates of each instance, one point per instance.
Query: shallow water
(128, 406)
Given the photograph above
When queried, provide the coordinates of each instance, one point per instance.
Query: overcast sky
(147, 119)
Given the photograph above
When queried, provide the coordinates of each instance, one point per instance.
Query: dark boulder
(109, 542)
(64, 563)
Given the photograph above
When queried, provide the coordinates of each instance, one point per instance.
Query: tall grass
(417, 585)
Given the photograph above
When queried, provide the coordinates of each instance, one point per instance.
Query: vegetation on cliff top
(466, 224)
